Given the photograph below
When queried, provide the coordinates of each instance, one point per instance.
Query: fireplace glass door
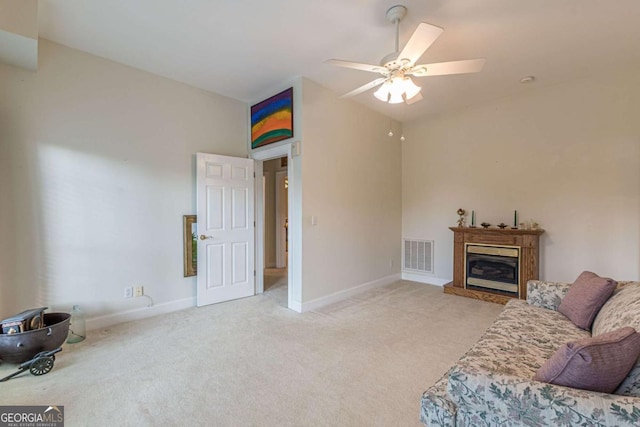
(494, 268)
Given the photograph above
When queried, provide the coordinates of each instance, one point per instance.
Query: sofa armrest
(546, 294)
(436, 408)
(502, 399)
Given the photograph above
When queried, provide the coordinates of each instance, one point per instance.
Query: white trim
(18, 50)
(294, 260)
(140, 313)
(267, 153)
(347, 293)
(259, 218)
(295, 306)
(294, 205)
(424, 278)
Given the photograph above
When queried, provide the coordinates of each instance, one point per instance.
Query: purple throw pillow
(585, 298)
(598, 364)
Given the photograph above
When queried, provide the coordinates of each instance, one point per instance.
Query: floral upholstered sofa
(492, 384)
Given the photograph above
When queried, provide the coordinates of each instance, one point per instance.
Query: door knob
(203, 237)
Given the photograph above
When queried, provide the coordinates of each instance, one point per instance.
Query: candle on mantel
(515, 219)
(473, 217)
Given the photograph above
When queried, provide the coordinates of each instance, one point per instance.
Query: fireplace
(491, 267)
(503, 261)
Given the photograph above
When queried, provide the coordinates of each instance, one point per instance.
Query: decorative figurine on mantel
(461, 213)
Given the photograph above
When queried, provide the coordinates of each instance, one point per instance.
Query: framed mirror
(190, 243)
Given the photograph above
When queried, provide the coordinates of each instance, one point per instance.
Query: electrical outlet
(391, 263)
(128, 292)
(139, 291)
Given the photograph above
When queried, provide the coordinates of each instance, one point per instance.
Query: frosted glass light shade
(383, 92)
(397, 90)
(410, 88)
(396, 98)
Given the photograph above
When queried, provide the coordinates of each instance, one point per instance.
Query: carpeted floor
(362, 362)
(275, 285)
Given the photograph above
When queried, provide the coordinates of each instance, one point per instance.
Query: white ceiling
(242, 48)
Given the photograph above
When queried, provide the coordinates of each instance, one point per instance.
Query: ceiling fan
(397, 67)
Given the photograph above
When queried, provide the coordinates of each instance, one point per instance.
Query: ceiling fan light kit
(395, 84)
(396, 90)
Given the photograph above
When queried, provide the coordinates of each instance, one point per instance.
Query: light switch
(314, 220)
(295, 149)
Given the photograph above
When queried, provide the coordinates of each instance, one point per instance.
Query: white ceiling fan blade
(415, 99)
(356, 65)
(451, 67)
(420, 41)
(364, 88)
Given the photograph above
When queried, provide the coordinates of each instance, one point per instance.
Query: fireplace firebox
(490, 267)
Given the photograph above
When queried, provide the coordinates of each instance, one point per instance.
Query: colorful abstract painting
(272, 119)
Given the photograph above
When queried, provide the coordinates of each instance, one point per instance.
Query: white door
(225, 228)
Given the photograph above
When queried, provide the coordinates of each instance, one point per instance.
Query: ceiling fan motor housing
(392, 63)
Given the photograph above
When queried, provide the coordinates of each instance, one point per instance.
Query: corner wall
(351, 185)
(566, 156)
(19, 33)
(97, 168)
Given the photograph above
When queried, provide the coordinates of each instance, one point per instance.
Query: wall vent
(417, 255)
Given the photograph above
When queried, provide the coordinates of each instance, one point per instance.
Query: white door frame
(294, 257)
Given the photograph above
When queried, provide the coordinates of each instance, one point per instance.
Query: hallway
(275, 285)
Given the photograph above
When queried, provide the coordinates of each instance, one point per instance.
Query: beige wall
(19, 33)
(567, 156)
(351, 182)
(96, 170)
(19, 17)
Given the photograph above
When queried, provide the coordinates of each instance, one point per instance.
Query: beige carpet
(275, 285)
(361, 362)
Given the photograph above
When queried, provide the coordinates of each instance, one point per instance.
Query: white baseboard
(168, 307)
(422, 278)
(296, 306)
(347, 293)
(139, 313)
